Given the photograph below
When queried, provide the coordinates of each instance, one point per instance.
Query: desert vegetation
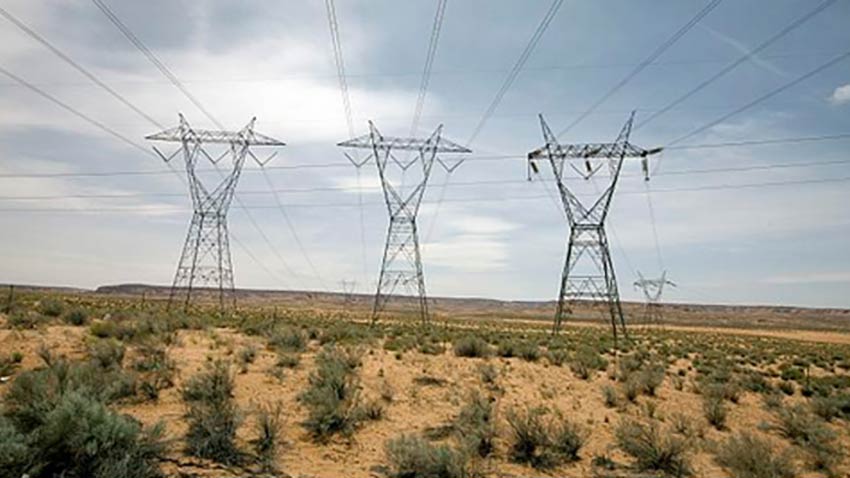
(135, 391)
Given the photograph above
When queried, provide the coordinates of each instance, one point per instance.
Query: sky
(750, 233)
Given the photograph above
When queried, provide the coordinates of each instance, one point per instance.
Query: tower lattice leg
(401, 264)
(589, 275)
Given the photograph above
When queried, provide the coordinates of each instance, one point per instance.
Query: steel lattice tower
(402, 262)
(652, 290)
(588, 272)
(205, 260)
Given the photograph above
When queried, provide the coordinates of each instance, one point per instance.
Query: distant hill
(701, 315)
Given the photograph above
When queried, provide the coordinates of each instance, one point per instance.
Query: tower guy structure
(402, 261)
(205, 261)
(588, 273)
(652, 290)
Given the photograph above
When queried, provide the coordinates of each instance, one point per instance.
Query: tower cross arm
(592, 150)
(442, 145)
(249, 137)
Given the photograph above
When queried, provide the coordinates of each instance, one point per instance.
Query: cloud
(744, 50)
(365, 183)
(468, 252)
(810, 278)
(841, 95)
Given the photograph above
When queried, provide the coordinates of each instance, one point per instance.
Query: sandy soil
(415, 406)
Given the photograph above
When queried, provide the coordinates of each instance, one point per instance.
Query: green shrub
(651, 377)
(755, 382)
(489, 373)
(471, 346)
(528, 351)
(507, 349)
(827, 408)
(51, 307)
(287, 339)
(156, 369)
(212, 415)
(652, 449)
(431, 348)
(543, 445)
(107, 353)
(287, 361)
(715, 411)
(632, 388)
(268, 438)
(14, 452)
(56, 423)
(610, 396)
(76, 317)
(24, 320)
(246, 356)
(331, 398)
(413, 457)
(747, 456)
(568, 439)
(122, 330)
(530, 440)
(557, 357)
(213, 384)
(586, 361)
(682, 424)
(212, 431)
(810, 433)
(475, 425)
(787, 387)
(8, 363)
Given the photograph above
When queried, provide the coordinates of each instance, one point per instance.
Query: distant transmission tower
(652, 290)
(402, 263)
(348, 289)
(205, 260)
(588, 270)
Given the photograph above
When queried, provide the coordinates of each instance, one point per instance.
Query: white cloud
(365, 183)
(841, 95)
(468, 252)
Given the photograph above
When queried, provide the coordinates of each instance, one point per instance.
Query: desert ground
(305, 386)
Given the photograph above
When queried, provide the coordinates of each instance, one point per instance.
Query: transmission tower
(652, 290)
(588, 272)
(205, 260)
(402, 263)
(348, 289)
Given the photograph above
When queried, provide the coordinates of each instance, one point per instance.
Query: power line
(153, 59)
(336, 45)
(34, 35)
(74, 111)
(496, 157)
(502, 182)
(761, 98)
(429, 63)
(449, 72)
(712, 187)
(645, 63)
(518, 66)
(491, 109)
(723, 71)
(333, 24)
